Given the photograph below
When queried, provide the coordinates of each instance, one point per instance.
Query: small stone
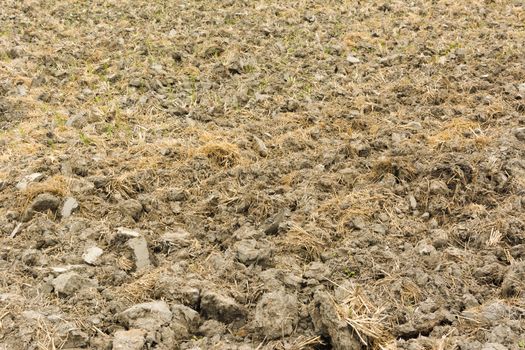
(31, 315)
(177, 238)
(69, 283)
(98, 181)
(11, 298)
(14, 52)
(468, 344)
(413, 202)
(211, 328)
(309, 17)
(92, 254)
(461, 53)
(42, 203)
(77, 121)
(260, 146)
(439, 238)
(175, 207)
(69, 206)
(379, 228)
(21, 90)
(186, 315)
(470, 301)
(127, 233)
(157, 68)
(424, 248)
(438, 187)
(87, 92)
(360, 148)
(277, 314)
(414, 125)
(352, 59)
(317, 271)
(495, 311)
(136, 83)
(502, 333)
(249, 251)
(176, 195)
(275, 225)
(26, 180)
(221, 308)
(327, 321)
(140, 250)
(490, 273)
(33, 257)
(76, 339)
(397, 137)
(514, 280)
(131, 207)
(148, 316)
(358, 223)
(134, 339)
(185, 321)
(171, 287)
(66, 268)
(519, 133)
(521, 88)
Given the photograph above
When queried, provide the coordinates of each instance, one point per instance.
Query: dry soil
(262, 174)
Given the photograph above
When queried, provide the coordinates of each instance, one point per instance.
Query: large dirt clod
(277, 314)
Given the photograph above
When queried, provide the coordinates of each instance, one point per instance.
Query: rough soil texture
(262, 174)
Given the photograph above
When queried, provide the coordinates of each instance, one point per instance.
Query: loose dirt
(262, 174)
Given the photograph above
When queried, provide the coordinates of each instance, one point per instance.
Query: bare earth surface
(262, 174)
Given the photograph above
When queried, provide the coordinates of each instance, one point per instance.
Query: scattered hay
(407, 294)
(365, 319)
(341, 210)
(398, 167)
(125, 263)
(130, 183)
(303, 343)
(223, 154)
(461, 132)
(410, 292)
(494, 238)
(261, 205)
(299, 241)
(47, 337)
(56, 184)
(300, 343)
(141, 288)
